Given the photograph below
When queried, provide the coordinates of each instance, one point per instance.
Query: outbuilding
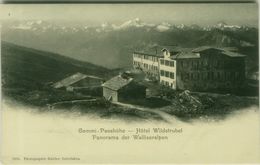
(123, 88)
(79, 81)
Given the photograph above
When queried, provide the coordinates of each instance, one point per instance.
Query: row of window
(150, 67)
(146, 66)
(206, 85)
(167, 63)
(167, 74)
(202, 63)
(212, 76)
(136, 63)
(146, 57)
(187, 63)
(166, 83)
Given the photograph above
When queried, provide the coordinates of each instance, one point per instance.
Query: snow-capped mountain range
(116, 41)
(43, 26)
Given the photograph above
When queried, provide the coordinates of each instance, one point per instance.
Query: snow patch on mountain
(223, 25)
(29, 25)
(39, 22)
(136, 23)
(163, 27)
(132, 23)
(22, 27)
(181, 26)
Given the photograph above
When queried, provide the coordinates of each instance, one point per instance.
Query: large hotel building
(201, 69)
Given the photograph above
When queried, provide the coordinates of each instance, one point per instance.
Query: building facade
(148, 63)
(167, 69)
(213, 69)
(200, 69)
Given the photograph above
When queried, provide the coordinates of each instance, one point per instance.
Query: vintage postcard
(130, 83)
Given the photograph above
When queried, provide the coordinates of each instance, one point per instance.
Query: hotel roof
(202, 48)
(171, 48)
(226, 51)
(158, 54)
(183, 53)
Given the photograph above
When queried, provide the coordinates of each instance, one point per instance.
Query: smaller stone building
(123, 88)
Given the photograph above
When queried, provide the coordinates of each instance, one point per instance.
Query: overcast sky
(201, 14)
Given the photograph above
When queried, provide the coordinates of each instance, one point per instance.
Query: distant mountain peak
(105, 24)
(30, 25)
(39, 22)
(132, 23)
(221, 23)
(165, 26)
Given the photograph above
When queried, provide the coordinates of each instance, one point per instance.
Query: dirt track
(165, 116)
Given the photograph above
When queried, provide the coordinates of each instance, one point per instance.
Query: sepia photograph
(130, 83)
